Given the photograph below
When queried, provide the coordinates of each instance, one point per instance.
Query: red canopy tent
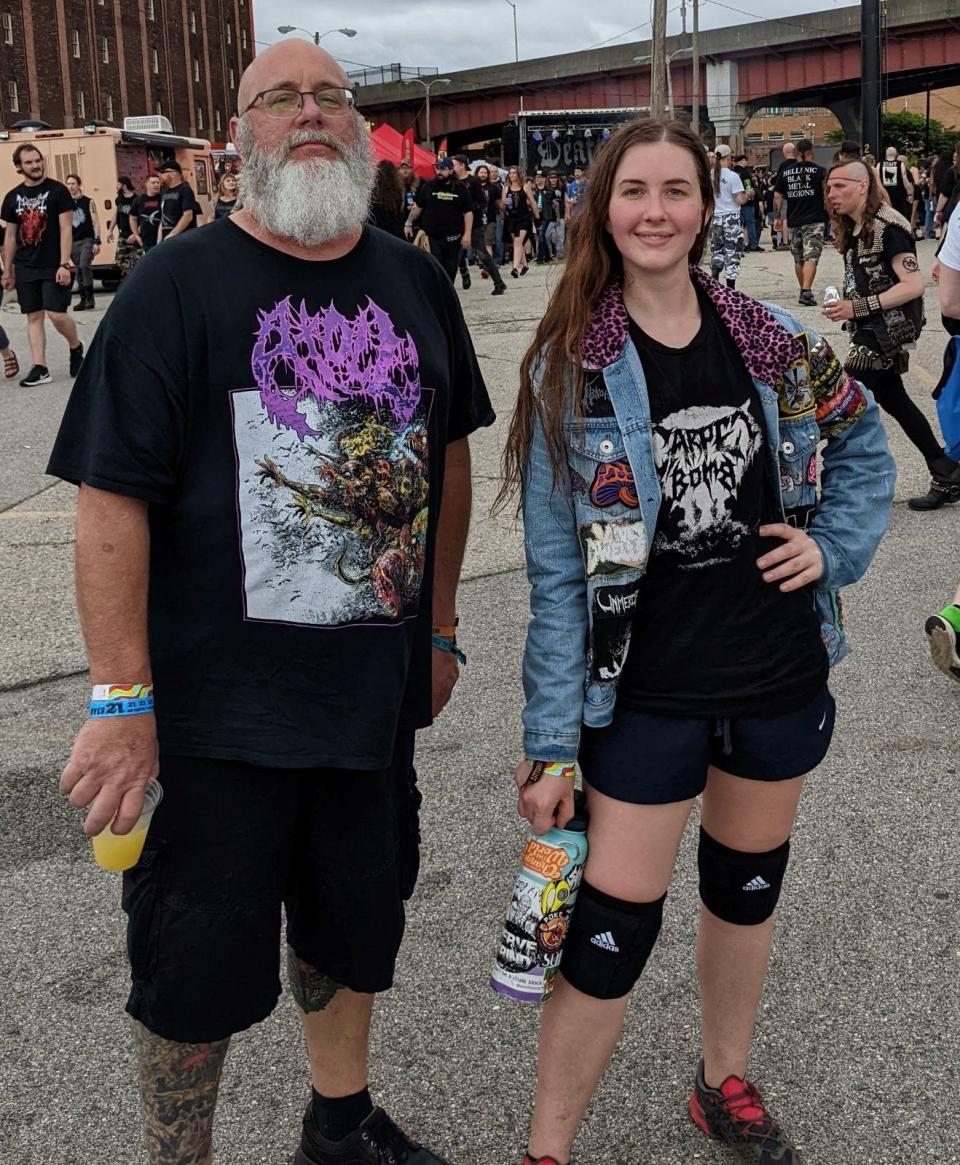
(388, 144)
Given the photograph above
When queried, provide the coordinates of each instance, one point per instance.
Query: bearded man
(274, 501)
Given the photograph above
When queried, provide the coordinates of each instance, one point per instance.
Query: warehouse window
(7, 28)
(775, 135)
(108, 107)
(14, 97)
(229, 35)
(81, 105)
(151, 14)
(243, 36)
(196, 69)
(217, 120)
(155, 60)
(199, 118)
(193, 20)
(233, 83)
(76, 43)
(106, 51)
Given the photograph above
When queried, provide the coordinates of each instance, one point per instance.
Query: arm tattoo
(910, 263)
(178, 1085)
(312, 990)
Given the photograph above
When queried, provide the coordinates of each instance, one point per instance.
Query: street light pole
(695, 46)
(317, 36)
(516, 42)
(427, 86)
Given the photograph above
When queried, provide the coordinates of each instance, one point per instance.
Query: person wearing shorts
(38, 239)
(275, 553)
(800, 185)
(685, 615)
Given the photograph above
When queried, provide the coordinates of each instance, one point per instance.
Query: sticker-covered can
(551, 870)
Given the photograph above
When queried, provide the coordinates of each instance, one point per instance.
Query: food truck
(99, 154)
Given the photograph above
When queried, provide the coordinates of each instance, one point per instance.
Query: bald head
(289, 64)
(789, 150)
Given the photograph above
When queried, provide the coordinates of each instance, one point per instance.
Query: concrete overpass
(809, 59)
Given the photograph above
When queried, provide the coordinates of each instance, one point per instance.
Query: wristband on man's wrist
(68, 265)
(108, 700)
(448, 644)
(96, 241)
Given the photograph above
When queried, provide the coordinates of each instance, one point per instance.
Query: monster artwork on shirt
(332, 457)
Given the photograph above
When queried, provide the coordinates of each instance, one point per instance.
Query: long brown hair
(843, 225)
(593, 261)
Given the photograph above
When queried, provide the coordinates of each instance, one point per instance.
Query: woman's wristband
(120, 700)
(563, 769)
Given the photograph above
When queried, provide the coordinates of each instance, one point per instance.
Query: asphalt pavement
(857, 1046)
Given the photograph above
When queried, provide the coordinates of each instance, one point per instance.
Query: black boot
(940, 494)
(86, 303)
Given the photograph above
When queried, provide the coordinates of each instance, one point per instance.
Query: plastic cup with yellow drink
(114, 851)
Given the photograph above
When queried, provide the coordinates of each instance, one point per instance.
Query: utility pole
(658, 66)
(683, 17)
(926, 130)
(695, 46)
(870, 76)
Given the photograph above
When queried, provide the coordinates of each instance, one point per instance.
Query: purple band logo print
(333, 468)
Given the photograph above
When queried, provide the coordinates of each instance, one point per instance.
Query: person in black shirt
(179, 209)
(447, 216)
(665, 446)
(86, 240)
(882, 306)
(228, 189)
(281, 478)
(37, 243)
(129, 249)
(478, 230)
(145, 214)
(800, 184)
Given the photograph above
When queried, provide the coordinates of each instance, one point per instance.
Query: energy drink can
(551, 870)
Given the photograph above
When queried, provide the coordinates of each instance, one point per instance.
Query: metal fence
(389, 74)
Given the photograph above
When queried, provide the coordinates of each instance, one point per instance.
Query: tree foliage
(907, 131)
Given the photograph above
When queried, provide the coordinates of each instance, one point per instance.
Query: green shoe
(941, 631)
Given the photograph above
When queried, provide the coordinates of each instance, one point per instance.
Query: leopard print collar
(768, 349)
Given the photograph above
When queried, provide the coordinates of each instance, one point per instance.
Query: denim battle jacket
(575, 547)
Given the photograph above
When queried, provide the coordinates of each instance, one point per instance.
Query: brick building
(69, 62)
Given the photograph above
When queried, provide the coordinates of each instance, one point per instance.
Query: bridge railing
(389, 74)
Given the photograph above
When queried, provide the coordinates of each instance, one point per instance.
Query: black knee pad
(739, 887)
(609, 942)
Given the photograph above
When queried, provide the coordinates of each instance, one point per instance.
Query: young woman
(86, 241)
(726, 231)
(683, 572)
(228, 189)
(519, 210)
(388, 206)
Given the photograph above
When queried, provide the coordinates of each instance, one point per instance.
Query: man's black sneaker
(465, 279)
(735, 1114)
(807, 299)
(76, 359)
(38, 374)
(378, 1141)
(499, 289)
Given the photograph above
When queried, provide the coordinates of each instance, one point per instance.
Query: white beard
(314, 201)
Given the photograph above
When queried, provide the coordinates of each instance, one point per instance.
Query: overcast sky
(465, 34)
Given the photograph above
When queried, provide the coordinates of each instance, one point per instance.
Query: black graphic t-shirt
(174, 204)
(710, 637)
(82, 219)
(801, 184)
(36, 211)
(124, 205)
(443, 205)
(146, 210)
(290, 439)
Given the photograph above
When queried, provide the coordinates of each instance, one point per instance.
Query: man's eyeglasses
(333, 101)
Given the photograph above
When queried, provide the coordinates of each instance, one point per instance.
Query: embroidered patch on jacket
(609, 547)
(794, 392)
(841, 409)
(612, 483)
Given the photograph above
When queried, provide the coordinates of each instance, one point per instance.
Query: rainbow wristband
(120, 700)
(565, 770)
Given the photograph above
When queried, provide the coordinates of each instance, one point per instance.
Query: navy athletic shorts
(656, 760)
(229, 845)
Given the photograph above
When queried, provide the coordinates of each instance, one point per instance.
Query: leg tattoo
(178, 1084)
(312, 990)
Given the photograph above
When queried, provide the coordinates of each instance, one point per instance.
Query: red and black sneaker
(735, 1114)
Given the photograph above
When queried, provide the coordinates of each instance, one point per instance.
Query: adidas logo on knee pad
(757, 884)
(606, 942)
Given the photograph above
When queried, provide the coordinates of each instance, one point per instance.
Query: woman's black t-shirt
(710, 637)
(224, 207)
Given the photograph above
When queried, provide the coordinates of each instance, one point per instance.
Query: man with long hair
(882, 306)
(274, 502)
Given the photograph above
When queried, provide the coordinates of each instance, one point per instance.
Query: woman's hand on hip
(796, 563)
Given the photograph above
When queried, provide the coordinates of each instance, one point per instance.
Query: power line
(773, 19)
(627, 31)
